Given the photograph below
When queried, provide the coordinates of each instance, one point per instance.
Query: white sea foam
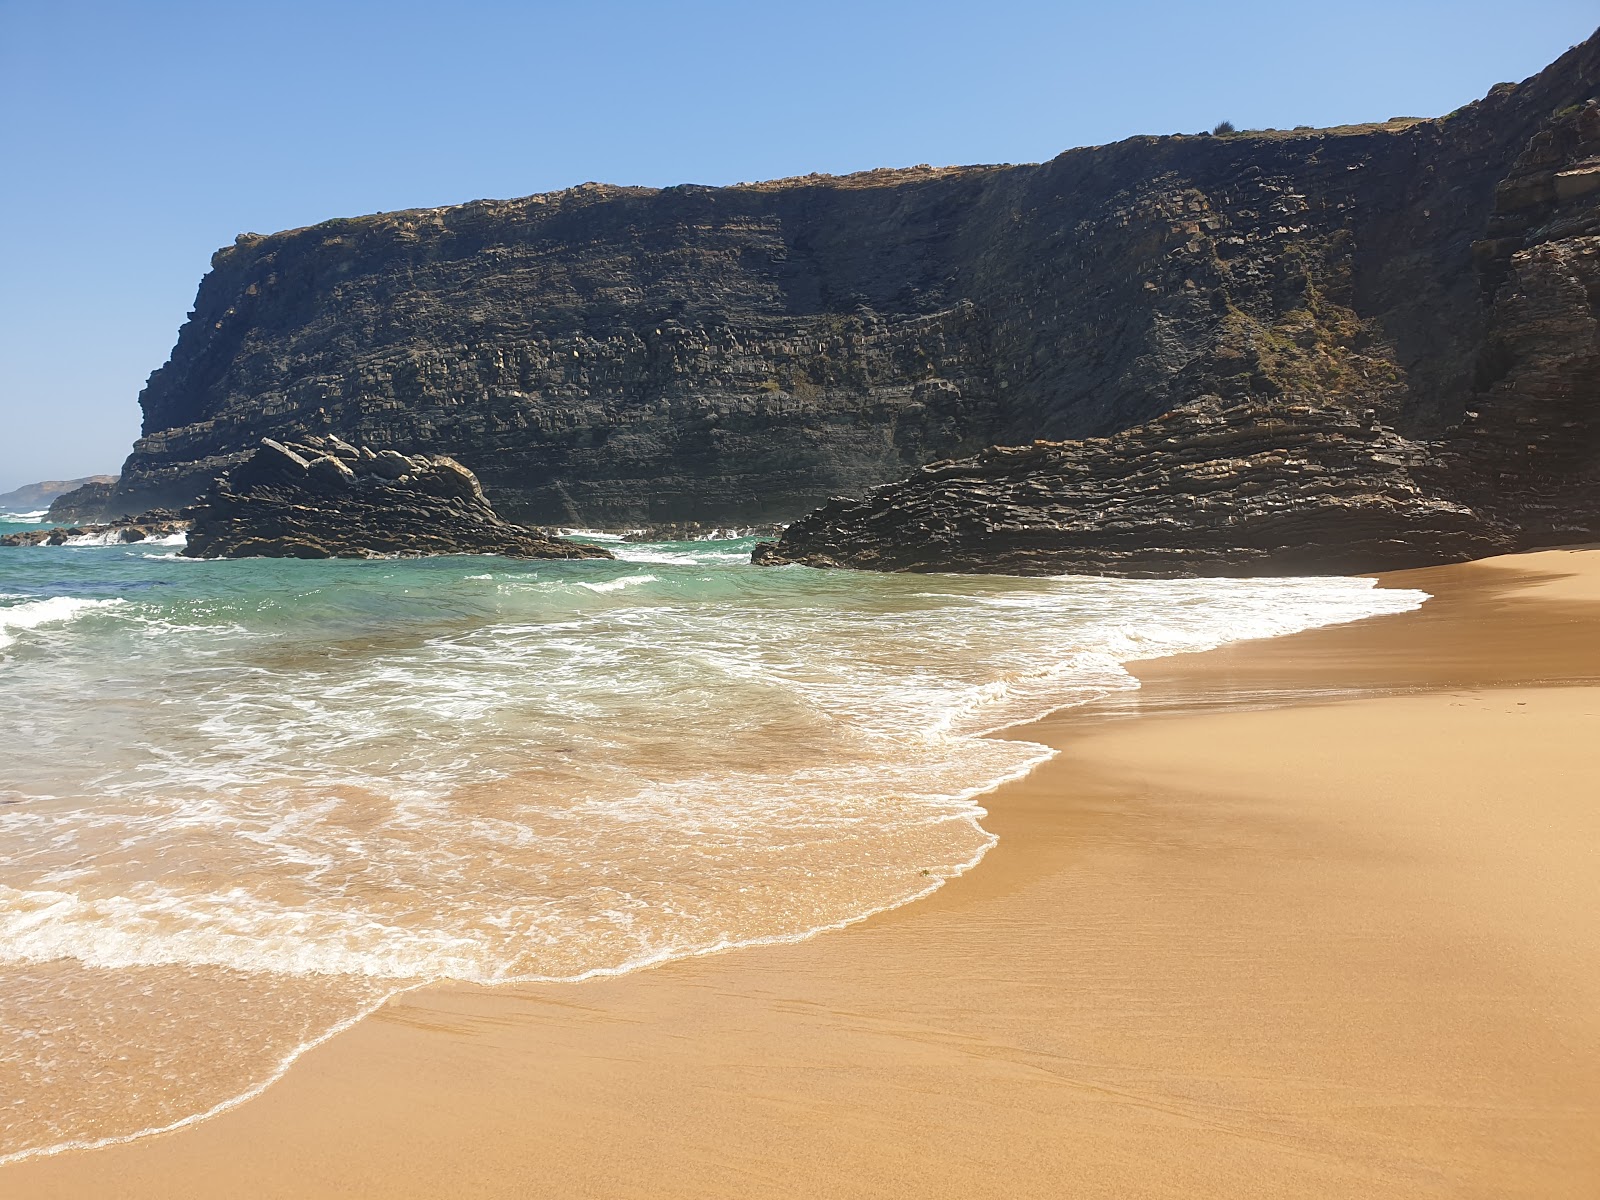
(616, 585)
(594, 535)
(111, 537)
(417, 727)
(582, 775)
(711, 556)
(24, 518)
(53, 610)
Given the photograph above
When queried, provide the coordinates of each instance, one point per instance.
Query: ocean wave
(373, 773)
(111, 537)
(617, 585)
(25, 518)
(593, 535)
(34, 613)
(644, 553)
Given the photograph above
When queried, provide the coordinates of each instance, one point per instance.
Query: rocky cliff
(1301, 485)
(618, 356)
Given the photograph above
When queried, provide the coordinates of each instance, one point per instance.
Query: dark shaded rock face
(87, 502)
(1203, 490)
(153, 524)
(35, 496)
(1312, 487)
(325, 498)
(614, 357)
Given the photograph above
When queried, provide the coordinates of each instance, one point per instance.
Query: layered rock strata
(1303, 485)
(1204, 490)
(1529, 444)
(325, 498)
(615, 357)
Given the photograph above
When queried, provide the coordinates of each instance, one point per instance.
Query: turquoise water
(244, 802)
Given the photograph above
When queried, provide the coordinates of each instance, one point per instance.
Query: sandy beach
(1315, 916)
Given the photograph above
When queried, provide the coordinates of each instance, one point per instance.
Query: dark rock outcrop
(91, 500)
(153, 524)
(1203, 490)
(1529, 444)
(325, 498)
(611, 357)
(35, 496)
(1286, 487)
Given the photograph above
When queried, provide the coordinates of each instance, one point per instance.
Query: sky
(137, 138)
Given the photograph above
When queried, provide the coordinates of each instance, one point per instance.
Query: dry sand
(1321, 919)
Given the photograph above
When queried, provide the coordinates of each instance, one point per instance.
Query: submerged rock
(154, 524)
(324, 498)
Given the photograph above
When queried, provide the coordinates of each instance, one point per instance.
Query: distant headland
(33, 497)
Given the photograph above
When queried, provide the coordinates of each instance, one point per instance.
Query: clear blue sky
(137, 137)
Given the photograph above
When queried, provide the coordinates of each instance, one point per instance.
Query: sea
(244, 803)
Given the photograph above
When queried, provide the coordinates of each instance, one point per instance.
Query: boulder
(326, 498)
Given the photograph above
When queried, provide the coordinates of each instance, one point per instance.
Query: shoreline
(1000, 726)
(560, 1034)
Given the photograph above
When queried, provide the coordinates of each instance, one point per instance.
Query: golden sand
(1318, 916)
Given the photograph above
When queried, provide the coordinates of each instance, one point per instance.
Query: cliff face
(626, 355)
(1287, 487)
(1530, 440)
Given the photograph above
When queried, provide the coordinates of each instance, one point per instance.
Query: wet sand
(1317, 916)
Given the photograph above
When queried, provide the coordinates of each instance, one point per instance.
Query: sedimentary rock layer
(1203, 490)
(626, 356)
(328, 499)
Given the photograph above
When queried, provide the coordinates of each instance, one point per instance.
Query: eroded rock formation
(325, 498)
